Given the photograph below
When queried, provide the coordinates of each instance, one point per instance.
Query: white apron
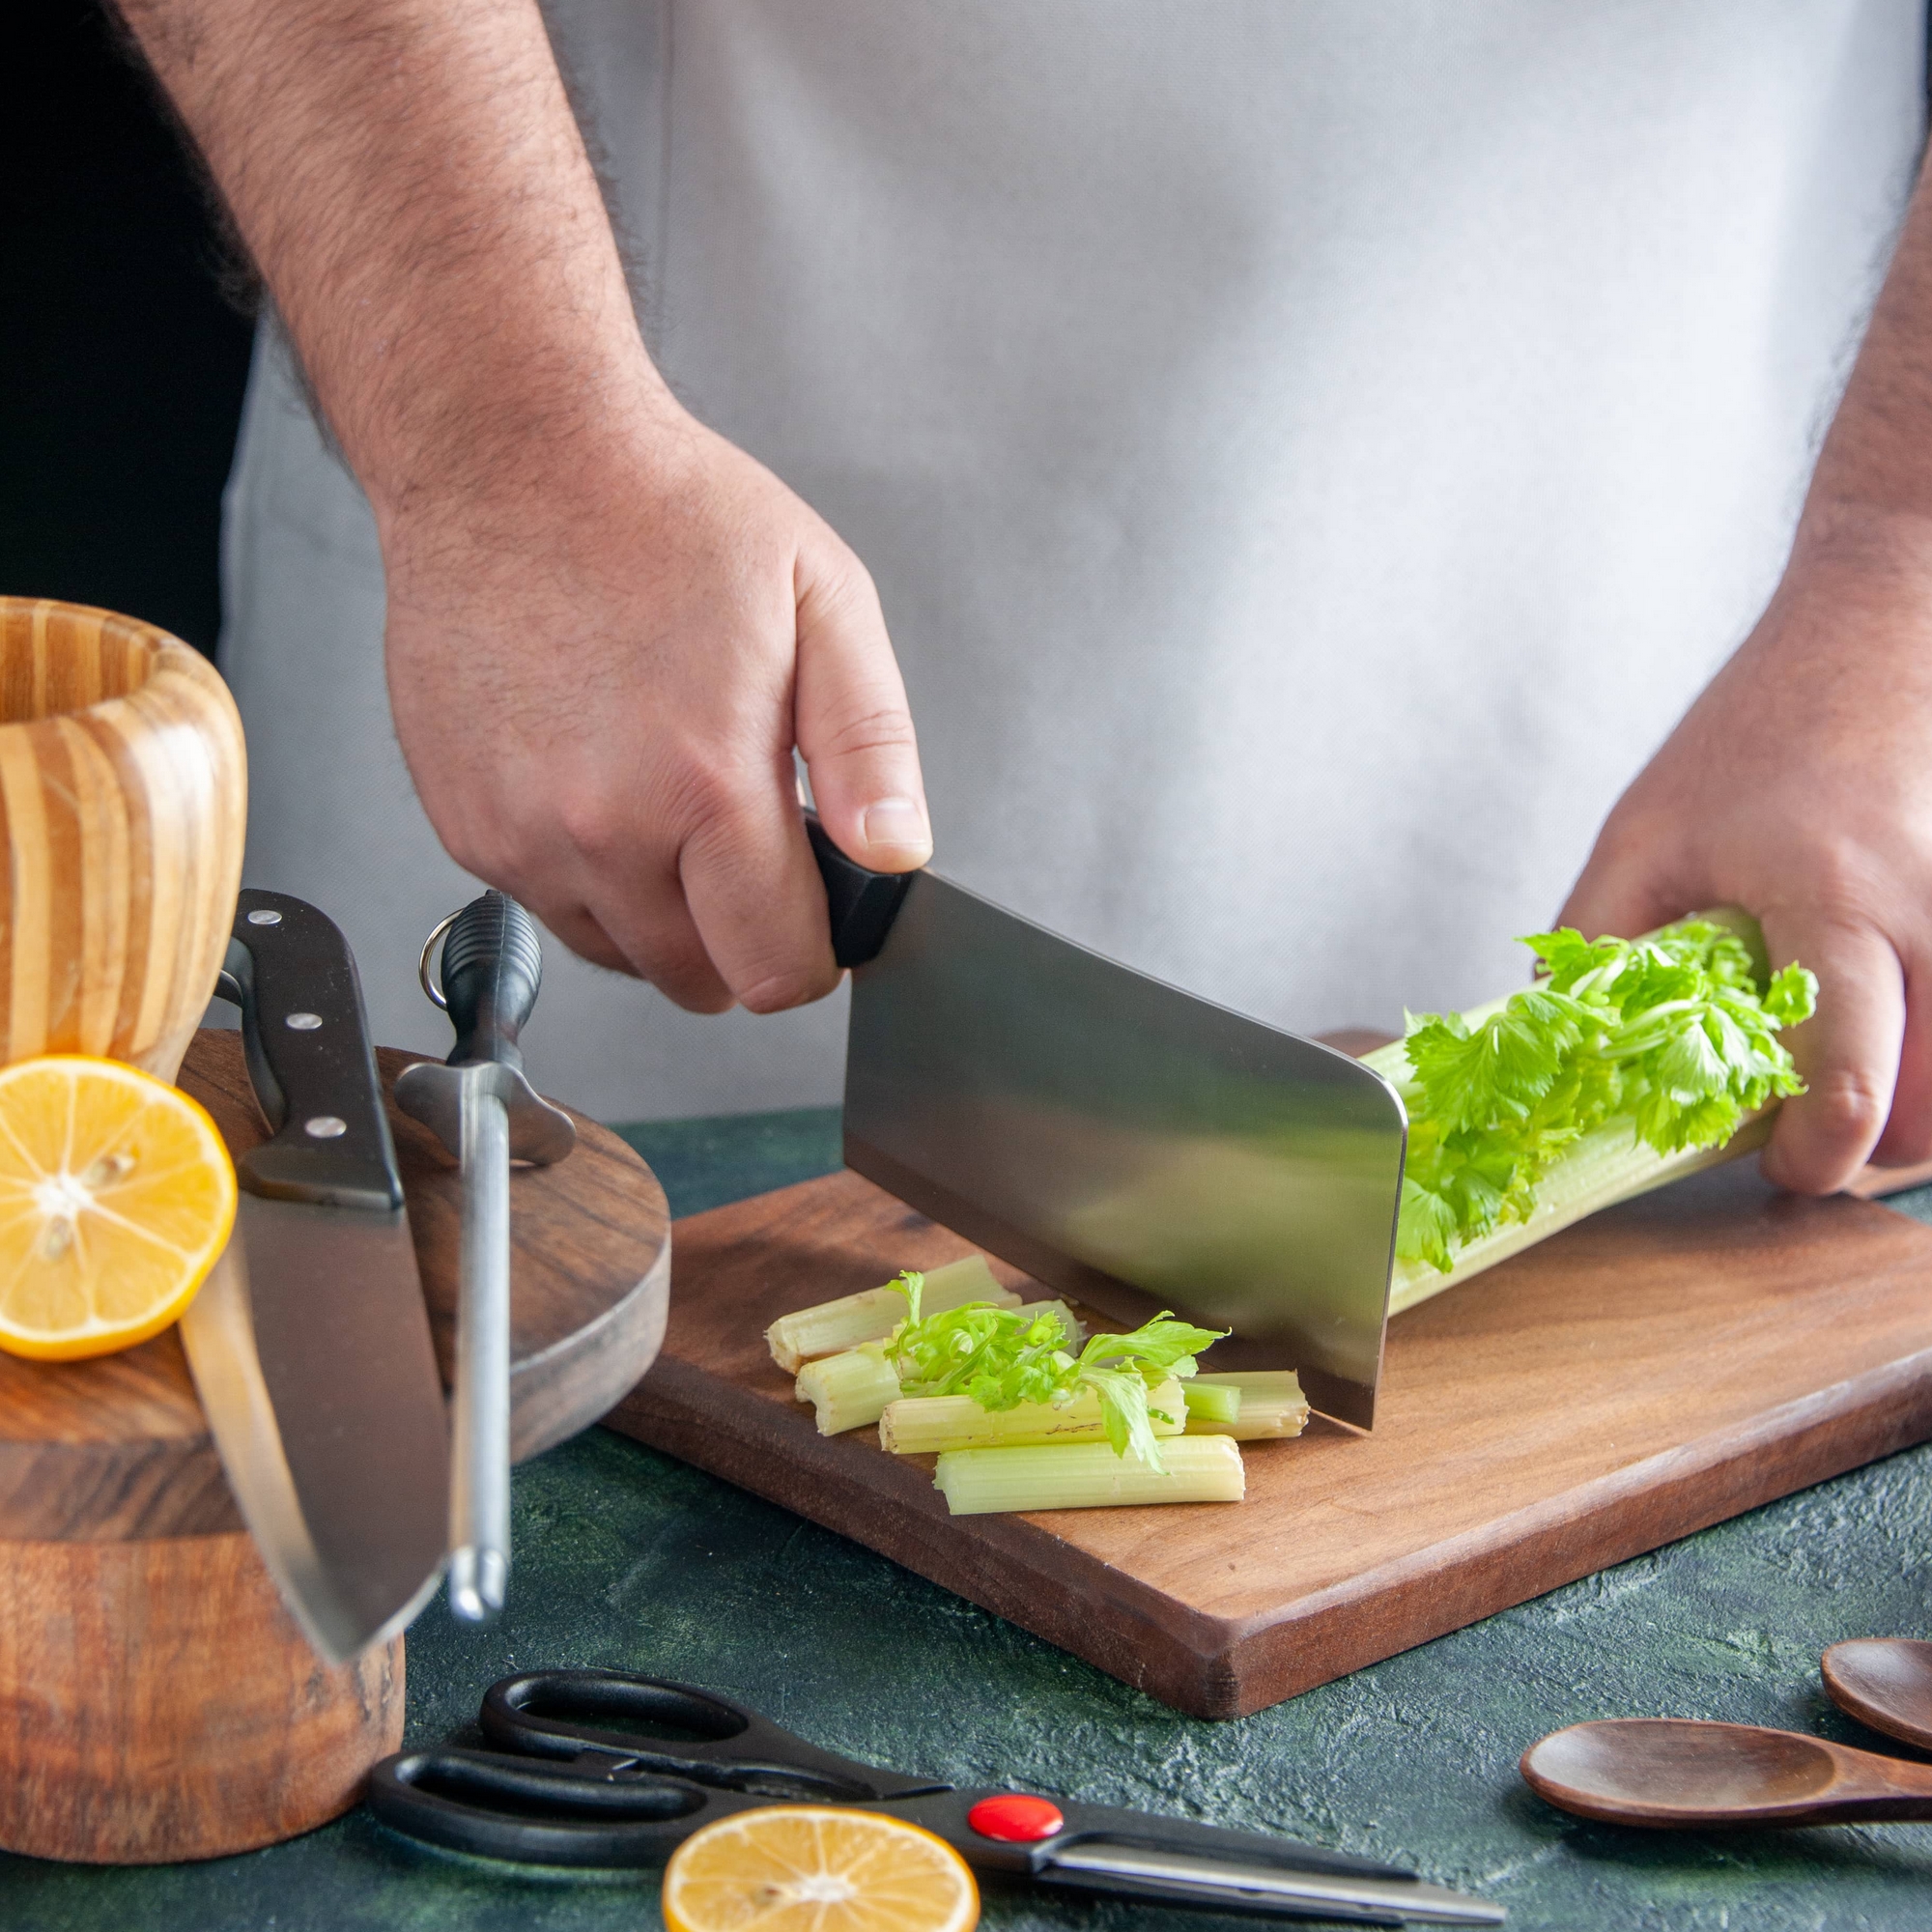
(1310, 455)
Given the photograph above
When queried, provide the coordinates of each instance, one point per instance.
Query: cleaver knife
(1122, 1141)
(309, 1340)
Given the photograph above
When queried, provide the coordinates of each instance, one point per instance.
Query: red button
(1016, 1819)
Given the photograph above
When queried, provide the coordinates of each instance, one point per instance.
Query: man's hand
(1800, 786)
(608, 629)
(599, 684)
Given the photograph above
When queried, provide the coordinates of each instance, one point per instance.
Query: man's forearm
(1876, 464)
(408, 179)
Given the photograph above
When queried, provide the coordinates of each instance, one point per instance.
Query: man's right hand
(608, 629)
(598, 684)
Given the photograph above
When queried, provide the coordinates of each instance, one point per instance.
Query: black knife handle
(492, 967)
(309, 1058)
(863, 904)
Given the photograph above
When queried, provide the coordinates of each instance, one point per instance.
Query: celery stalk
(1212, 1407)
(1272, 1404)
(1089, 1475)
(924, 1425)
(830, 1326)
(1602, 1169)
(1676, 1031)
(850, 1390)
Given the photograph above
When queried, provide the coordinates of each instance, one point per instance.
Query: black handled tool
(485, 1112)
(309, 1342)
(600, 1768)
(861, 904)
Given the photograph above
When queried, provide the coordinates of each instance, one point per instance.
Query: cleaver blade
(1122, 1141)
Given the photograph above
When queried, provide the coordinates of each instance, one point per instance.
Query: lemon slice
(817, 1868)
(116, 1196)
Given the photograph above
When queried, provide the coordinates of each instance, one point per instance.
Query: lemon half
(116, 1198)
(817, 1868)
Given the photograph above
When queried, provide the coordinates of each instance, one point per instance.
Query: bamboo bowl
(123, 796)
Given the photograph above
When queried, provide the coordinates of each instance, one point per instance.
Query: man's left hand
(1799, 787)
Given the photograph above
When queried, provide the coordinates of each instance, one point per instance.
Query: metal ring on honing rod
(433, 992)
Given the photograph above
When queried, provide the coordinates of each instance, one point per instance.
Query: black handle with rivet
(310, 1062)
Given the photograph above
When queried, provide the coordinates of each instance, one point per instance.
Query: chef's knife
(309, 1342)
(1122, 1141)
(484, 1111)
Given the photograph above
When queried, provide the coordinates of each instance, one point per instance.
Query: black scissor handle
(498, 1806)
(677, 1730)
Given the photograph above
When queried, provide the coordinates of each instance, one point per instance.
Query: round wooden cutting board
(156, 1702)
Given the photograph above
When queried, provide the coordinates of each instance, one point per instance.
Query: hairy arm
(410, 180)
(1799, 784)
(606, 628)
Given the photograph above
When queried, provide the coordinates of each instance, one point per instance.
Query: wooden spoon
(1683, 1774)
(1885, 1682)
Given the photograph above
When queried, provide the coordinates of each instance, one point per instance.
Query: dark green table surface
(628, 1559)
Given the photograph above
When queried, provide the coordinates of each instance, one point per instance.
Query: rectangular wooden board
(1657, 1369)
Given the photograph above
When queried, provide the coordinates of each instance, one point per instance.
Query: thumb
(852, 724)
(1848, 1051)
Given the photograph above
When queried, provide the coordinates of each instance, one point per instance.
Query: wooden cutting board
(1657, 1369)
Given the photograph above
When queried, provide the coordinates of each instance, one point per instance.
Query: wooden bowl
(124, 793)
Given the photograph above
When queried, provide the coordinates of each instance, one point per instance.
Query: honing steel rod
(479, 1475)
(485, 1112)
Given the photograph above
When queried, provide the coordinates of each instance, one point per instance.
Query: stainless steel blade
(311, 1352)
(1373, 1901)
(1125, 1141)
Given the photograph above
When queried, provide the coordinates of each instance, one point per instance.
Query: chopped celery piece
(830, 1326)
(850, 1390)
(1089, 1475)
(1272, 1404)
(1000, 1360)
(924, 1425)
(1211, 1407)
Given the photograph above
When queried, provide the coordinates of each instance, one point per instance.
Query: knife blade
(484, 1110)
(309, 1342)
(1124, 1140)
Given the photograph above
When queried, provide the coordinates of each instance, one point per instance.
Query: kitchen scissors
(600, 1768)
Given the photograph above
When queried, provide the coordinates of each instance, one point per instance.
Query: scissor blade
(1311, 1894)
(312, 1358)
